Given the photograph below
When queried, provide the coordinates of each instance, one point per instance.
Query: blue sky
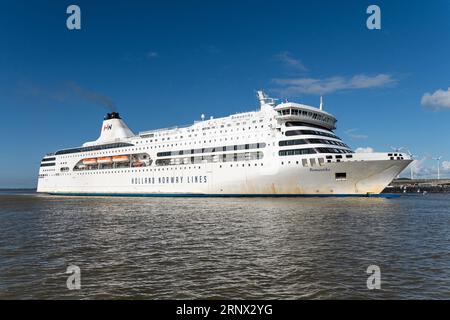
(163, 63)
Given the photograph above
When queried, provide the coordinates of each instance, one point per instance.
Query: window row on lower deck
(212, 149)
(333, 150)
(230, 157)
(294, 152)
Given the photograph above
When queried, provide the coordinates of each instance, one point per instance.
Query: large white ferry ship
(284, 149)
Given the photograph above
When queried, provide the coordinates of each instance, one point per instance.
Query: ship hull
(247, 179)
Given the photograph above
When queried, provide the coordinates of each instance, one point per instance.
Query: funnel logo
(107, 127)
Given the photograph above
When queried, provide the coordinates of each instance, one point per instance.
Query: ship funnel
(113, 129)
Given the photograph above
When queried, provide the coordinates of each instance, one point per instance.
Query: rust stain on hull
(273, 189)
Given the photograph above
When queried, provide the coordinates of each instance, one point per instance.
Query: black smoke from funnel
(92, 96)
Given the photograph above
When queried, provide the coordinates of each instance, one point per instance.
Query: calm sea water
(196, 248)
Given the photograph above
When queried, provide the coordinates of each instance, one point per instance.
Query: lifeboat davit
(122, 158)
(90, 161)
(104, 160)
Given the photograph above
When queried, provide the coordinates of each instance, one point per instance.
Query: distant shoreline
(417, 189)
(418, 186)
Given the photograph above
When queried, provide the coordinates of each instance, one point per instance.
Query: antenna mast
(264, 99)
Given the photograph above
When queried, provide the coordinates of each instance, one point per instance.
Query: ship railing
(237, 116)
(173, 128)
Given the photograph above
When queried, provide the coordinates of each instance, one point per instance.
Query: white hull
(363, 177)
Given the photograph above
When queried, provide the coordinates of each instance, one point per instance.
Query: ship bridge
(290, 111)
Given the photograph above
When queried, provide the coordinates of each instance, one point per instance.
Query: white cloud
(427, 168)
(438, 99)
(353, 134)
(419, 167)
(290, 61)
(296, 86)
(446, 165)
(364, 150)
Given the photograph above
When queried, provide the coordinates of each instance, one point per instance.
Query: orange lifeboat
(104, 160)
(90, 161)
(138, 164)
(122, 158)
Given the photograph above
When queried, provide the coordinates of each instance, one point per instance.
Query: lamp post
(411, 166)
(438, 159)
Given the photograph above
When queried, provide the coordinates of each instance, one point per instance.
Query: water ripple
(194, 248)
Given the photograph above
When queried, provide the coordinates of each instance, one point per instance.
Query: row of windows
(310, 141)
(311, 132)
(174, 168)
(170, 131)
(324, 141)
(304, 124)
(48, 159)
(94, 148)
(245, 156)
(212, 149)
(122, 170)
(152, 135)
(294, 152)
(313, 115)
(339, 176)
(294, 142)
(333, 150)
(309, 162)
(199, 142)
(48, 164)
